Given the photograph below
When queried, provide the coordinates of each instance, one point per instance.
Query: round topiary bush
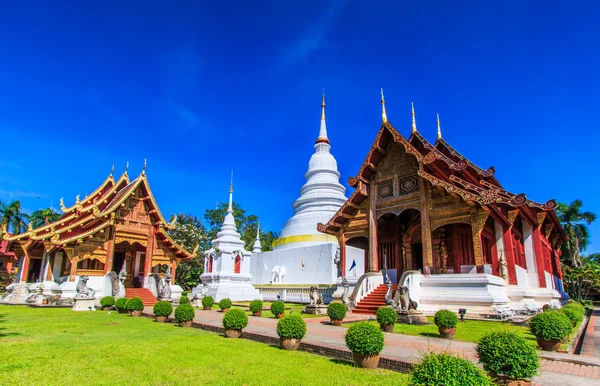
(184, 299)
(336, 311)
(291, 327)
(256, 306)
(208, 301)
(184, 313)
(235, 319)
(445, 319)
(447, 370)
(574, 315)
(135, 304)
(107, 301)
(364, 338)
(121, 304)
(163, 308)
(225, 304)
(576, 306)
(553, 325)
(508, 354)
(277, 307)
(386, 315)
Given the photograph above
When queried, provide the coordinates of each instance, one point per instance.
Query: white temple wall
(530, 255)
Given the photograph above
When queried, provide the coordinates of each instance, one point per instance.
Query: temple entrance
(399, 242)
(35, 267)
(118, 259)
(417, 256)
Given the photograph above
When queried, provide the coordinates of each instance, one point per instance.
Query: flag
(353, 265)
(303, 265)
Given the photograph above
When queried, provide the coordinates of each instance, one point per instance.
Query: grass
(467, 331)
(62, 347)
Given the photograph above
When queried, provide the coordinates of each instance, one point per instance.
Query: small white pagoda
(227, 263)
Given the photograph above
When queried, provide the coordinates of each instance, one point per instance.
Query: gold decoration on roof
(195, 252)
(144, 169)
(383, 113)
(4, 230)
(95, 209)
(323, 106)
(439, 133)
(30, 227)
(414, 123)
(173, 222)
(112, 171)
(126, 168)
(62, 206)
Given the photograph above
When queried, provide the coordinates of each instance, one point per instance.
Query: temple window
(237, 264)
(90, 264)
(210, 264)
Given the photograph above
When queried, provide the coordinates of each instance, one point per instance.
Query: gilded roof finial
(323, 106)
(77, 199)
(144, 169)
(383, 113)
(62, 205)
(414, 123)
(112, 171)
(439, 127)
(126, 167)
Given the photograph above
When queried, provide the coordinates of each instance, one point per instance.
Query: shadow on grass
(343, 362)
(430, 335)
(3, 332)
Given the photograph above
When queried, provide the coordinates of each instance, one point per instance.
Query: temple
(437, 223)
(302, 256)
(117, 226)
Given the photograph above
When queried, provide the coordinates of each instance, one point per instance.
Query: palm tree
(12, 217)
(39, 217)
(575, 223)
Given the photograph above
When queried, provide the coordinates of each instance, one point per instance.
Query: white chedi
(320, 197)
(227, 264)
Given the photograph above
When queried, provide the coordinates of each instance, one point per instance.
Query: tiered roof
(442, 166)
(98, 211)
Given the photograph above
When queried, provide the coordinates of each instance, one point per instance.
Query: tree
(42, 216)
(575, 223)
(579, 281)
(12, 218)
(189, 232)
(246, 226)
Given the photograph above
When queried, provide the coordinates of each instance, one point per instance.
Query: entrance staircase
(142, 293)
(370, 303)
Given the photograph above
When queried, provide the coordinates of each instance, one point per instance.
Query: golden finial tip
(439, 131)
(383, 113)
(414, 123)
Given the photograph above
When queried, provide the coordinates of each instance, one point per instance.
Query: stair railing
(364, 286)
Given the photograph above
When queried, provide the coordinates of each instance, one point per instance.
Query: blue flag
(353, 265)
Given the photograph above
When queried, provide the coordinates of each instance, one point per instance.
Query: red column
(373, 237)
(24, 268)
(149, 253)
(343, 254)
(510, 257)
(494, 257)
(539, 256)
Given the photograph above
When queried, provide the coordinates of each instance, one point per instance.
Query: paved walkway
(591, 342)
(325, 339)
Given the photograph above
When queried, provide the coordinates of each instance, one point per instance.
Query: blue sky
(200, 88)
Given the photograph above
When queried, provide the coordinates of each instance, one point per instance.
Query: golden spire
(439, 127)
(323, 106)
(231, 183)
(144, 169)
(126, 167)
(383, 113)
(414, 123)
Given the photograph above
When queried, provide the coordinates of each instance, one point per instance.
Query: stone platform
(85, 304)
(320, 309)
(411, 317)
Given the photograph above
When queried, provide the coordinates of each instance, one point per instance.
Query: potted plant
(184, 299)
(446, 322)
(550, 328)
(225, 305)
(162, 310)
(447, 369)
(135, 307)
(366, 342)
(121, 305)
(207, 302)
(386, 317)
(574, 311)
(278, 308)
(509, 358)
(107, 302)
(291, 329)
(233, 322)
(256, 307)
(184, 315)
(336, 313)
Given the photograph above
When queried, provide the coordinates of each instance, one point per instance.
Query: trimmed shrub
(553, 325)
(364, 338)
(256, 306)
(107, 301)
(575, 306)
(121, 304)
(163, 309)
(184, 299)
(277, 307)
(225, 303)
(235, 319)
(208, 301)
(386, 315)
(135, 304)
(506, 353)
(447, 370)
(573, 314)
(445, 319)
(291, 327)
(185, 293)
(184, 313)
(336, 311)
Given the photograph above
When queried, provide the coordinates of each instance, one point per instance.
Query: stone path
(401, 350)
(591, 342)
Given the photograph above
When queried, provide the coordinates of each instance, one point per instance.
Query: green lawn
(62, 347)
(467, 331)
(289, 307)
